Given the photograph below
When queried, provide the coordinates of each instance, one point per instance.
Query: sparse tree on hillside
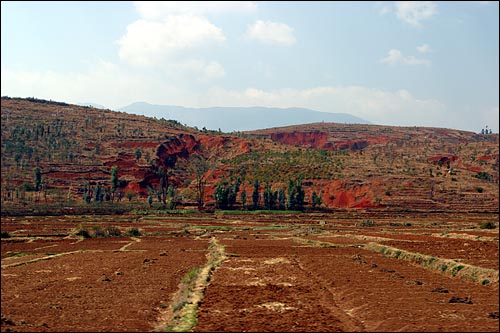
(171, 197)
(114, 181)
(150, 200)
(38, 182)
(38, 179)
(163, 176)
(138, 154)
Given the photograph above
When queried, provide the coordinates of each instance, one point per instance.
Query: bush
(367, 223)
(83, 233)
(484, 175)
(479, 189)
(98, 232)
(5, 234)
(133, 232)
(112, 231)
(487, 225)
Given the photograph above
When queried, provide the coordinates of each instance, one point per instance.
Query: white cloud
(153, 10)
(271, 33)
(384, 10)
(383, 7)
(103, 83)
(204, 71)
(148, 43)
(413, 12)
(424, 48)
(396, 57)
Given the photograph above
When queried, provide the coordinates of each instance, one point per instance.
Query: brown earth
(352, 166)
(304, 272)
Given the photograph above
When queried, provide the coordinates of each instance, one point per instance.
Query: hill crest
(358, 166)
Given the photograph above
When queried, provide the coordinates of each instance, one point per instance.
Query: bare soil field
(349, 272)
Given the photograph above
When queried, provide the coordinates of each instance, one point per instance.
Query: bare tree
(199, 167)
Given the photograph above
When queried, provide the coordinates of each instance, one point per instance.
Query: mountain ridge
(229, 119)
(352, 166)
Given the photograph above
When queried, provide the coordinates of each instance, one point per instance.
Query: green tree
(38, 179)
(233, 193)
(281, 199)
(270, 197)
(296, 195)
(98, 193)
(130, 195)
(243, 198)
(138, 154)
(220, 196)
(86, 194)
(290, 204)
(300, 196)
(171, 197)
(255, 194)
(114, 181)
(316, 200)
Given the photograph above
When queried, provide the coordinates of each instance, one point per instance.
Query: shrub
(112, 231)
(479, 189)
(133, 232)
(83, 233)
(367, 223)
(5, 234)
(484, 175)
(98, 232)
(487, 225)
(456, 269)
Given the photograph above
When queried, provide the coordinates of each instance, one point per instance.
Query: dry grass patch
(444, 266)
(181, 314)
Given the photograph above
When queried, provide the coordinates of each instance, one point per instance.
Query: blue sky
(392, 63)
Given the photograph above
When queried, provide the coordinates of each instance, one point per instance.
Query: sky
(400, 63)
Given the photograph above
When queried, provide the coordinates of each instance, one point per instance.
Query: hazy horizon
(424, 63)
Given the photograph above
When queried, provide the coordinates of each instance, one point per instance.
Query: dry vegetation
(350, 166)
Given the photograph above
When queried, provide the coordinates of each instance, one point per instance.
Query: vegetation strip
(45, 258)
(317, 243)
(449, 267)
(123, 249)
(466, 236)
(181, 315)
(445, 266)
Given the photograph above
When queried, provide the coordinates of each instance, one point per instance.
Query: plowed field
(349, 272)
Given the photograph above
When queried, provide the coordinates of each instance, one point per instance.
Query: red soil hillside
(351, 166)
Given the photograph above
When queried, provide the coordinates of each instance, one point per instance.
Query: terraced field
(346, 271)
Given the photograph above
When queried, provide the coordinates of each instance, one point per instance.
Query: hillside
(352, 166)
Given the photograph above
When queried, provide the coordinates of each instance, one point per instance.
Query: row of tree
(225, 196)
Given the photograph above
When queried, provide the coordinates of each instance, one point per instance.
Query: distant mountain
(230, 119)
